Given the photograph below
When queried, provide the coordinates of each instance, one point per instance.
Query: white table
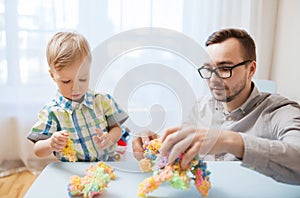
(228, 179)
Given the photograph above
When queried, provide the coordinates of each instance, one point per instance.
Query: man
(260, 129)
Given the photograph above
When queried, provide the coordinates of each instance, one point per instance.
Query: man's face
(228, 53)
(72, 80)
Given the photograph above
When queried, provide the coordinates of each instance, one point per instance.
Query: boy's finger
(105, 144)
(99, 132)
(103, 136)
(64, 133)
(96, 139)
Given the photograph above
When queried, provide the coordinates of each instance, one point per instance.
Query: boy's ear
(51, 74)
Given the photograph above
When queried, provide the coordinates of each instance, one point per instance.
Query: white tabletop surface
(228, 179)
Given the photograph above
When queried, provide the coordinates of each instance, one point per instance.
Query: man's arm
(278, 159)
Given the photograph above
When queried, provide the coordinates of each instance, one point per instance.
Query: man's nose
(215, 77)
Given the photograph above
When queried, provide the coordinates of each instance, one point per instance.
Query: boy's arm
(42, 148)
(115, 133)
(56, 142)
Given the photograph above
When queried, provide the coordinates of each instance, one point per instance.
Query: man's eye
(65, 81)
(82, 80)
(223, 69)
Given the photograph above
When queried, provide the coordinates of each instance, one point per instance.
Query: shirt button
(229, 118)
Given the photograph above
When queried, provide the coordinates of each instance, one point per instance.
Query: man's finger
(180, 147)
(190, 154)
(176, 136)
(137, 147)
(154, 136)
(170, 131)
(145, 139)
(137, 144)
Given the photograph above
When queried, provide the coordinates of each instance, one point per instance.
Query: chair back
(265, 85)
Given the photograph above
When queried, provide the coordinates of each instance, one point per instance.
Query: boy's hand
(59, 140)
(102, 139)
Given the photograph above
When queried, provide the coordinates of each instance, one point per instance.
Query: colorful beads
(93, 183)
(69, 152)
(173, 174)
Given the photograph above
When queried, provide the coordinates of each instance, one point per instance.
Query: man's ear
(252, 68)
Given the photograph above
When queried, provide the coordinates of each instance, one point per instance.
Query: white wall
(286, 60)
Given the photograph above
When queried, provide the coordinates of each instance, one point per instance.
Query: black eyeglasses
(222, 71)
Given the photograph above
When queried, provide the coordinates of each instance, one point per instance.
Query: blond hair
(65, 48)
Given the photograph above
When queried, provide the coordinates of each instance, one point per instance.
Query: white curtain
(27, 25)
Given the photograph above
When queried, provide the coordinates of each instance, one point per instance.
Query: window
(26, 26)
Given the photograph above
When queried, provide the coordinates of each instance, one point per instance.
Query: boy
(90, 120)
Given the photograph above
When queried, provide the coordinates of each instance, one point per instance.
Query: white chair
(265, 85)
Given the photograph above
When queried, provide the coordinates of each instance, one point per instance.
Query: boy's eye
(65, 81)
(82, 80)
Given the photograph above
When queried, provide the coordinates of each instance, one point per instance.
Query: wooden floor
(16, 185)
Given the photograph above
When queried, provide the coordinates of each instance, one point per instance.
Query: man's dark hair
(246, 41)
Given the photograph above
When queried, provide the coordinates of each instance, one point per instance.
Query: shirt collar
(247, 105)
(251, 101)
(70, 105)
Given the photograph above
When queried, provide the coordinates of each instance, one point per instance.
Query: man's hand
(192, 141)
(138, 142)
(178, 140)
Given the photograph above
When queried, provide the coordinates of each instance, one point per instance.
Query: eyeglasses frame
(222, 67)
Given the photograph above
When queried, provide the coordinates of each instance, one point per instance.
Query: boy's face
(72, 80)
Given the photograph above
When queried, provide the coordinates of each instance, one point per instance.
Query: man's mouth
(217, 88)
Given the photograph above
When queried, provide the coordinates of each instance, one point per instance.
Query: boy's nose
(75, 86)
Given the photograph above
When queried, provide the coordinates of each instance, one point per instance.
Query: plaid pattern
(80, 120)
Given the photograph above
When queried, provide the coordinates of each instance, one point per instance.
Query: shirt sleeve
(113, 112)
(278, 158)
(46, 125)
